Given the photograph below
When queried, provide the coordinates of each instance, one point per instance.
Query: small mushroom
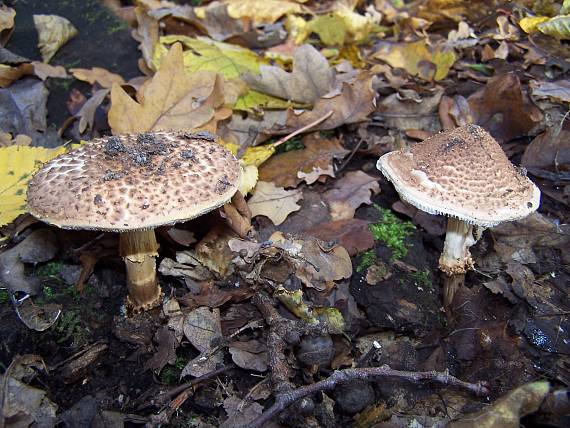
(132, 184)
(464, 174)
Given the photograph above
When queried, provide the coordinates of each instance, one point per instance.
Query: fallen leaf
(548, 152)
(171, 100)
(147, 33)
(6, 139)
(349, 192)
(503, 109)
(318, 154)
(310, 79)
(250, 355)
(353, 234)
(53, 32)
(274, 202)
(213, 251)
(259, 11)
(202, 327)
(104, 78)
(407, 111)
(337, 28)
(557, 27)
(507, 411)
(43, 70)
(7, 15)
(240, 412)
(17, 165)
(166, 352)
(417, 58)
(10, 74)
(87, 111)
(558, 90)
(529, 24)
(353, 104)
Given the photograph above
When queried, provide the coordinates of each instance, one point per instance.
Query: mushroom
(132, 184)
(464, 174)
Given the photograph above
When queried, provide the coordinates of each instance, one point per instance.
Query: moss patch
(392, 232)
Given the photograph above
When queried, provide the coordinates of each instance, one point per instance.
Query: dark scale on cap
(134, 181)
(114, 146)
(200, 135)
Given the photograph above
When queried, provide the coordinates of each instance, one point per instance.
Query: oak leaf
(283, 169)
(274, 202)
(349, 192)
(171, 100)
(104, 78)
(311, 78)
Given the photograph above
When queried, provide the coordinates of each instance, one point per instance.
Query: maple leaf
(274, 202)
(351, 191)
(283, 169)
(310, 79)
(17, 165)
(171, 100)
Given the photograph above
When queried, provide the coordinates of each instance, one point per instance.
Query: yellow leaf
(336, 28)
(17, 165)
(558, 27)
(253, 155)
(413, 56)
(172, 99)
(53, 32)
(231, 61)
(7, 15)
(248, 178)
(529, 23)
(261, 11)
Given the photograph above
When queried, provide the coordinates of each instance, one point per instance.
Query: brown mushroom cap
(134, 182)
(461, 173)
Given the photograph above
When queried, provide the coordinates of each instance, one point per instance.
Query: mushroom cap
(130, 182)
(462, 173)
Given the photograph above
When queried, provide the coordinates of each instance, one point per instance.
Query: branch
(285, 399)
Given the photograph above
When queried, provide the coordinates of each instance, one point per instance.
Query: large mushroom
(464, 174)
(132, 184)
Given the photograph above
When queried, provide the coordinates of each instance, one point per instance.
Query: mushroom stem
(139, 250)
(456, 258)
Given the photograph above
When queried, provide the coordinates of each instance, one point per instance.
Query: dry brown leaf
(43, 70)
(274, 202)
(146, 34)
(310, 79)
(353, 234)
(549, 151)
(172, 99)
(354, 103)
(503, 109)
(349, 192)
(53, 32)
(558, 90)
(19, 140)
(283, 169)
(86, 113)
(103, 77)
(10, 74)
(202, 327)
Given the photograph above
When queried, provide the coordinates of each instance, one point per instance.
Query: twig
(303, 129)
(285, 399)
(283, 331)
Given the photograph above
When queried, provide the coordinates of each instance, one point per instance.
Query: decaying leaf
(7, 15)
(310, 79)
(53, 32)
(250, 355)
(166, 352)
(17, 165)
(43, 70)
(10, 74)
(172, 99)
(318, 154)
(104, 78)
(240, 412)
(558, 27)
(507, 411)
(87, 111)
(202, 327)
(349, 192)
(273, 202)
(417, 58)
(353, 234)
(558, 90)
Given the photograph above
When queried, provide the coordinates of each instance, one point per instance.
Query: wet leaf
(349, 192)
(417, 58)
(17, 165)
(53, 32)
(102, 77)
(318, 154)
(507, 411)
(172, 99)
(310, 79)
(274, 202)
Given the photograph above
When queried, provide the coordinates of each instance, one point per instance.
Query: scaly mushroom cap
(461, 173)
(131, 182)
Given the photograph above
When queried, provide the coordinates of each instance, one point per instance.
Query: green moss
(392, 232)
(48, 293)
(4, 297)
(171, 373)
(367, 259)
(48, 270)
(69, 327)
(293, 144)
(421, 278)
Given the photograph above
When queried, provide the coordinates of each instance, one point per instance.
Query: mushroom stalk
(139, 250)
(456, 258)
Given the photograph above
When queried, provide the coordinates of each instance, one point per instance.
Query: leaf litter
(332, 280)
